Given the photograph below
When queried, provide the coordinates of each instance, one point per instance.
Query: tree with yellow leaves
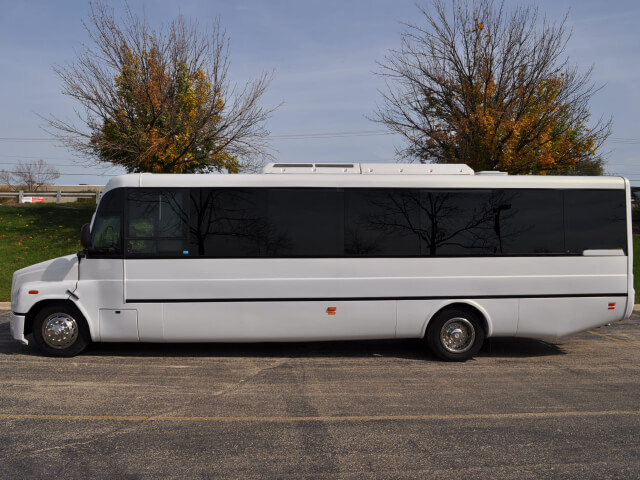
(160, 100)
(486, 86)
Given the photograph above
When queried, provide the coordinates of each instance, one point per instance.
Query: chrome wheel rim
(59, 330)
(457, 335)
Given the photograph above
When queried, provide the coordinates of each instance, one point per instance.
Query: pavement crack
(230, 388)
(131, 427)
(240, 383)
(101, 436)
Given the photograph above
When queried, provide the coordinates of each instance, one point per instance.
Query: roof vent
(416, 169)
(292, 165)
(372, 168)
(311, 168)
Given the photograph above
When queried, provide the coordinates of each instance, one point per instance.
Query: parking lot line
(614, 339)
(327, 419)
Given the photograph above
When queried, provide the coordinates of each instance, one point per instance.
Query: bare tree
(6, 178)
(30, 175)
(161, 100)
(489, 86)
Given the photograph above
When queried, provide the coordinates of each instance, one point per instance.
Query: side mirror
(85, 236)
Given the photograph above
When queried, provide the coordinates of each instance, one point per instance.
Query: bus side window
(157, 223)
(106, 233)
(595, 219)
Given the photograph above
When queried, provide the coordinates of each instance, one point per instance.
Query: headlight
(14, 291)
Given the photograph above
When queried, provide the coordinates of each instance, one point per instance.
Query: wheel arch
(33, 311)
(468, 305)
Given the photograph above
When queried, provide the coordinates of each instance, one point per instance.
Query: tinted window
(528, 222)
(321, 222)
(381, 222)
(106, 233)
(595, 219)
(228, 222)
(305, 222)
(457, 222)
(157, 223)
(453, 222)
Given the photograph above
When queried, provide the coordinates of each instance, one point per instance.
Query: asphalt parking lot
(341, 410)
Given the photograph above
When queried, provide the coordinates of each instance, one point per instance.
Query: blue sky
(323, 54)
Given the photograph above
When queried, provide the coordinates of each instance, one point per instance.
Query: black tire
(455, 334)
(60, 330)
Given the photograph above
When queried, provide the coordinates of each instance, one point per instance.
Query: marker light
(331, 310)
(33, 292)
(612, 305)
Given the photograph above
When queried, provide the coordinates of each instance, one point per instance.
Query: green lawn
(33, 233)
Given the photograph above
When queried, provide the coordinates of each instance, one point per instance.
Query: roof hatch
(371, 168)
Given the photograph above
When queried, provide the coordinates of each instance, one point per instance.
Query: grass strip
(33, 233)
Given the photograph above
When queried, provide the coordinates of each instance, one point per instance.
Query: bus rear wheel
(455, 334)
(60, 331)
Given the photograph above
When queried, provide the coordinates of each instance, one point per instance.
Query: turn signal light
(331, 310)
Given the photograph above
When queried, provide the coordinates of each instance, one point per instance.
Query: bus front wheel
(455, 334)
(60, 331)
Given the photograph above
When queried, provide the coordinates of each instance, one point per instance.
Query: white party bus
(336, 252)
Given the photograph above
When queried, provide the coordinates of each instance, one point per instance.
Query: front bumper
(16, 323)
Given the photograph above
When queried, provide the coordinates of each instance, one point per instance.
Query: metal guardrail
(58, 195)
